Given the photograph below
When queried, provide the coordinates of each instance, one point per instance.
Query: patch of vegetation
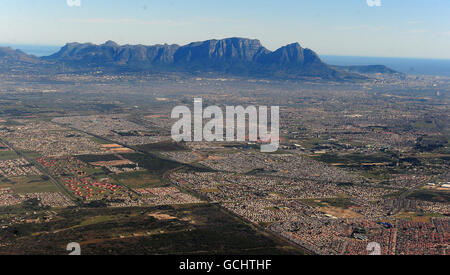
(25, 185)
(99, 140)
(97, 158)
(343, 203)
(140, 179)
(424, 125)
(431, 143)
(340, 202)
(166, 146)
(31, 154)
(432, 196)
(376, 174)
(7, 155)
(153, 164)
(345, 184)
(32, 205)
(354, 159)
(394, 194)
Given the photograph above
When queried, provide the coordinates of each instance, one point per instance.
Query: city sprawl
(89, 158)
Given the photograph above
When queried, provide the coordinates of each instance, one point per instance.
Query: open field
(97, 158)
(24, 185)
(355, 159)
(100, 141)
(431, 196)
(340, 213)
(7, 155)
(343, 203)
(140, 179)
(167, 146)
(155, 165)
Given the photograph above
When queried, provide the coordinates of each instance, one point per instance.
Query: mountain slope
(368, 69)
(9, 55)
(111, 53)
(210, 52)
(295, 60)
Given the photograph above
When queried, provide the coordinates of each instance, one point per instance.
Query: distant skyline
(397, 28)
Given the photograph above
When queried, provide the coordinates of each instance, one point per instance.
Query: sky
(395, 28)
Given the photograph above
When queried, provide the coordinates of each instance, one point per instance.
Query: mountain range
(9, 55)
(233, 56)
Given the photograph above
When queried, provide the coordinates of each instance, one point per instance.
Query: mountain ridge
(233, 56)
(368, 69)
(243, 56)
(10, 55)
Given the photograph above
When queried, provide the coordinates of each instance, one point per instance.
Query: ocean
(414, 66)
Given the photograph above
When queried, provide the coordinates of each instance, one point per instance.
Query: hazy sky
(397, 28)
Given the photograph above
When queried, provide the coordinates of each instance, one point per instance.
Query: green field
(97, 158)
(140, 179)
(432, 196)
(7, 155)
(423, 125)
(99, 140)
(165, 146)
(353, 159)
(341, 202)
(31, 155)
(24, 185)
(153, 164)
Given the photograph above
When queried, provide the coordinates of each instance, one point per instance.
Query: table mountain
(236, 56)
(232, 56)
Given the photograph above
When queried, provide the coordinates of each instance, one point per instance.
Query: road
(43, 170)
